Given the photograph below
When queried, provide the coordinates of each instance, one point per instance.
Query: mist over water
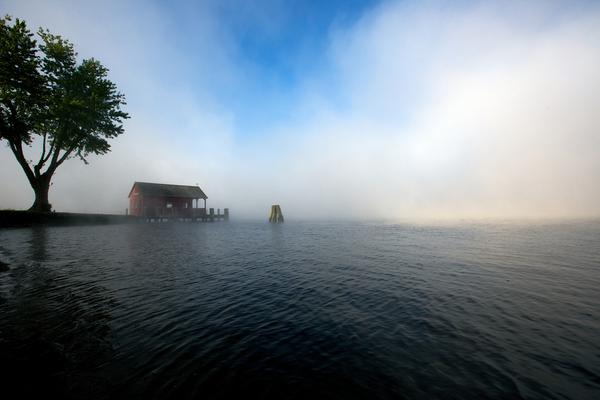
(455, 144)
(303, 310)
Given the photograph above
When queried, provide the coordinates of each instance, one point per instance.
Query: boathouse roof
(166, 190)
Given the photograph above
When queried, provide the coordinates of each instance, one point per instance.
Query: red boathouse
(160, 200)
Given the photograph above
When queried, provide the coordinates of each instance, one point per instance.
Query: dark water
(302, 310)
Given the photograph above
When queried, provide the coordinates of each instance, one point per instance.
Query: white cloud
(477, 111)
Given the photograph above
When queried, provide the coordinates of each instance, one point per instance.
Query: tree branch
(58, 159)
(17, 150)
(66, 155)
(40, 163)
(49, 154)
(54, 156)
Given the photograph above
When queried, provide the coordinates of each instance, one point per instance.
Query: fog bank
(421, 111)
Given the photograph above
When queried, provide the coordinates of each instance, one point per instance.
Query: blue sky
(345, 109)
(277, 45)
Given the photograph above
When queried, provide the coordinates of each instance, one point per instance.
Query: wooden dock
(185, 215)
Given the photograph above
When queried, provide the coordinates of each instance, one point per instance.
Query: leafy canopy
(46, 92)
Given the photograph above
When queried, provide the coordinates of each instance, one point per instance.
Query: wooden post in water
(276, 216)
(226, 214)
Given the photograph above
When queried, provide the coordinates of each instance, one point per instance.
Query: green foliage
(44, 91)
(22, 85)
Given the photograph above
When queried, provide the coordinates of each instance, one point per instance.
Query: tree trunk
(41, 186)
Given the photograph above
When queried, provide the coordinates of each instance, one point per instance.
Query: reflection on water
(54, 331)
(302, 310)
(38, 244)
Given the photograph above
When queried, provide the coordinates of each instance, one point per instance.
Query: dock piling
(276, 216)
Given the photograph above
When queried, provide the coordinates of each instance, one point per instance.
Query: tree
(46, 94)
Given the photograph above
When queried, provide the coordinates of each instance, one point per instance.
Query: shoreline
(24, 218)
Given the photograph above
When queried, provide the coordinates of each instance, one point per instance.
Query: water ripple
(303, 310)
